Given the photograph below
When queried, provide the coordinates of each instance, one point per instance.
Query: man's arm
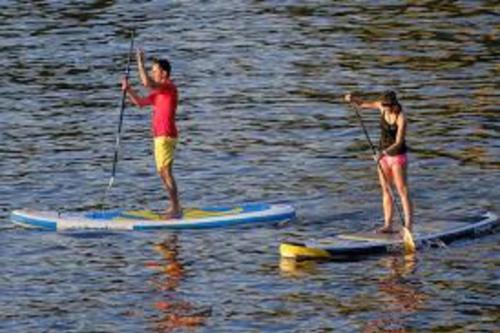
(133, 95)
(143, 74)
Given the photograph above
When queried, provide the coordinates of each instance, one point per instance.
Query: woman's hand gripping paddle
(408, 243)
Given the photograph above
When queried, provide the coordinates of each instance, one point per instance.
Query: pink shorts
(390, 161)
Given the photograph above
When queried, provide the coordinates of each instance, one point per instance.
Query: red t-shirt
(164, 101)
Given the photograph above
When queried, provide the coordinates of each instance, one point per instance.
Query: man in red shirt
(163, 97)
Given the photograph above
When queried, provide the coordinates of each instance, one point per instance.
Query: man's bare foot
(172, 214)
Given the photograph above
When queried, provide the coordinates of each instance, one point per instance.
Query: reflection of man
(172, 269)
(176, 313)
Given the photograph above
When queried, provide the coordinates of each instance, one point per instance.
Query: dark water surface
(261, 119)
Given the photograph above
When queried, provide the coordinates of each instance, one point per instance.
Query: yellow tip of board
(288, 250)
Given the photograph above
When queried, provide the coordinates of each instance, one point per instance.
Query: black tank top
(388, 134)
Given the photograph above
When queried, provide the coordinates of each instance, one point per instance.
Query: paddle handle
(122, 109)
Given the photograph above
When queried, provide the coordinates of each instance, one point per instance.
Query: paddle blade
(409, 244)
(110, 184)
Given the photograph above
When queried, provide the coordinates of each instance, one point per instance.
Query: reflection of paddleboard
(193, 218)
(348, 246)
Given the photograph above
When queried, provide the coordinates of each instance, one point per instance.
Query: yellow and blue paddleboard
(192, 218)
(356, 245)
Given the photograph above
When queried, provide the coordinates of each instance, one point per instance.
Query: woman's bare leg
(400, 180)
(385, 178)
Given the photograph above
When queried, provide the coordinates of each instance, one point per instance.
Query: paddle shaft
(374, 150)
(122, 109)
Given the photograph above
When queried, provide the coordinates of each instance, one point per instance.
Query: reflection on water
(175, 313)
(290, 267)
(396, 299)
(400, 298)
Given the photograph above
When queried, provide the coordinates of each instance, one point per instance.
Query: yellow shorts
(164, 148)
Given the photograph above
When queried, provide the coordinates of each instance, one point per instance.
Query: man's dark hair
(164, 64)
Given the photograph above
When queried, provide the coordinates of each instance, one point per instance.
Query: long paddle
(409, 244)
(120, 122)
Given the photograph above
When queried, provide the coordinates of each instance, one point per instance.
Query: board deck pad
(192, 218)
(147, 215)
(371, 236)
(364, 243)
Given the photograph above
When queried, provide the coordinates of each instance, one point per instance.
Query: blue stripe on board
(227, 223)
(34, 222)
(103, 215)
(255, 207)
(249, 207)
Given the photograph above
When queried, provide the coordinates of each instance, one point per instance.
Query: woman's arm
(362, 104)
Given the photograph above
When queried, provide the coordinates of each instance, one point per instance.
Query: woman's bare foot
(386, 230)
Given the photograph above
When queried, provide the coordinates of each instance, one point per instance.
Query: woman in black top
(392, 155)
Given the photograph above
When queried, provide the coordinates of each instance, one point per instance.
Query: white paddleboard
(192, 218)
